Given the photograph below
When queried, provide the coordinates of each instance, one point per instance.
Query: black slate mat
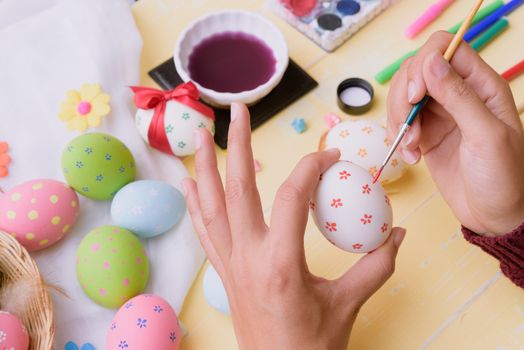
(294, 84)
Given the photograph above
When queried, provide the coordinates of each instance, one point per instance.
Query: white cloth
(59, 46)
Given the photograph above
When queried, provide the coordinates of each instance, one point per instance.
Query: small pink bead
(331, 120)
(83, 108)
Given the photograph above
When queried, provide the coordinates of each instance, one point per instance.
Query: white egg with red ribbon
(167, 120)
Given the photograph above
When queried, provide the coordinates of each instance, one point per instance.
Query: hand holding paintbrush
(469, 133)
(415, 110)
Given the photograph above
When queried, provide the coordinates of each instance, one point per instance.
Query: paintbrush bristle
(375, 179)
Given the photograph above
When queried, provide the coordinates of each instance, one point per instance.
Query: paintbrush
(415, 110)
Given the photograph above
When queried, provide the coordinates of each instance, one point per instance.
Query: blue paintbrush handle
(491, 19)
(416, 110)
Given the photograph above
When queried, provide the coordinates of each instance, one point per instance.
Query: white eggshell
(365, 143)
(180, 122)
(353, 213)
(145, 322)
(148, 208)
(214, 291)
(13, 334)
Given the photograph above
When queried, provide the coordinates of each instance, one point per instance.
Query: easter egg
(38, 213)
(214, 291)
(352, 213)
(148, 208)
(365, 143)
(180, 123)
(111, 266)
(144, 322)
(97, 165)
(13, 334)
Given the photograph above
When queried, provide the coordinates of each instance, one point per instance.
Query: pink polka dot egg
(13, 334)
(38, 213)
(350, 210)
(145, 322)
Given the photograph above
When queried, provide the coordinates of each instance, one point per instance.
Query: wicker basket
(16, 263)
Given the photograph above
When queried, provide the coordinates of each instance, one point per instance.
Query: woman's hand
(276, 303)
(469, 133)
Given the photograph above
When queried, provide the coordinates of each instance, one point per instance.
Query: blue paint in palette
(331, 22)
(348, 7)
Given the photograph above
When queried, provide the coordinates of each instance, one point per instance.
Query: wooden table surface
(445, 293)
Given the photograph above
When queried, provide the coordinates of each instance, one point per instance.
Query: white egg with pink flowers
(351, 211)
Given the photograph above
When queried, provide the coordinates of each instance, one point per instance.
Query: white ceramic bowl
(236, 21)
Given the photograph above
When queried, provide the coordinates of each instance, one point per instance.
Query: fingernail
(333, 150)
(412, 90)
(198, 139)
(234, 111)
(408, 138)
(183, 183)
(439, 66)
(409, 156)
(399, 237)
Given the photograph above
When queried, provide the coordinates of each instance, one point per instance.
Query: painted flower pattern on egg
(180, 122)
(364, 143)
(97, 165)
(351, 212)
(145, 322)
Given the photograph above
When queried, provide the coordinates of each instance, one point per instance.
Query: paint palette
(330, 23)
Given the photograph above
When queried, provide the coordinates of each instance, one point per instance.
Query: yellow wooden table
(446, 293)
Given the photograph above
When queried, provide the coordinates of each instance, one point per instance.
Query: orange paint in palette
(231, 62)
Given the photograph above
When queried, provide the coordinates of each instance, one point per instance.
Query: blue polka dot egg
(148, 208)
(97, 165)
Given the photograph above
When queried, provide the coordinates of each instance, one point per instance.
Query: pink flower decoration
(331, 226)
(366, 219)
(336, 202)
(344, 175)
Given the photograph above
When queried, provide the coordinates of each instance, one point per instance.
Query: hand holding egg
(263, 266)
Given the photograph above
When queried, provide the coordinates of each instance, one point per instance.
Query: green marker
(490, 34)
(387, 73)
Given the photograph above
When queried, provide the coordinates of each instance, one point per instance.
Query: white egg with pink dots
(350, 210)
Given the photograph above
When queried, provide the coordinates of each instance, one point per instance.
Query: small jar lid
(355, 96)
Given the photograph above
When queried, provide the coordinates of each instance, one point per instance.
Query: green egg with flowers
(97, 165)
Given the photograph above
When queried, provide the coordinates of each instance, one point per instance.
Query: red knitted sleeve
(508, 249)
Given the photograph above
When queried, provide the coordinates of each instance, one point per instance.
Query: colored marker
(427, 18)
(514, 71)
(490, 34)
(387, 73)
(492, 18)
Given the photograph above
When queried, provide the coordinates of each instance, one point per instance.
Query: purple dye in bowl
(231, 62)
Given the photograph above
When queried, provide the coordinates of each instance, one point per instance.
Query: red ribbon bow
(147, 98)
